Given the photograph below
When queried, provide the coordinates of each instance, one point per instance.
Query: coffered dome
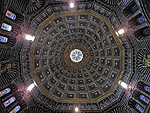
(66, 56)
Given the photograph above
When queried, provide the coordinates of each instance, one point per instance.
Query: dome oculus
(76, 55)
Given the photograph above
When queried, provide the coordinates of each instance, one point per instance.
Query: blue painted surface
(134, 8)
(141, 20)
(146, 31)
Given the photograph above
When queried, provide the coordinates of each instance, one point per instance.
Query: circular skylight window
(76, 55)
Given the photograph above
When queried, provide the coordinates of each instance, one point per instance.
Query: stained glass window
(3, 39)
(16, 109)
(5, 91)
(10, 15)
(147, 88)
(141, 20)
(138, 107)
(9, 101)
(6, 27)
(146, 100)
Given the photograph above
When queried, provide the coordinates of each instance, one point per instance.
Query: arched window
(9, 101)
(10, 15)
(139, 108)
(147, 88)
(3, 39)
(6, 27)
(15, 110)
(5, 91)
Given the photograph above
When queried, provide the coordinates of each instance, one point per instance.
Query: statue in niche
(36, 2)
(146, 60)
(5, 66)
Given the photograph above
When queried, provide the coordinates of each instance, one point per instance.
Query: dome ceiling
(78, 59)
(63, 81)
(62, 78)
